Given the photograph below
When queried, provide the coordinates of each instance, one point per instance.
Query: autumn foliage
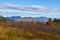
(29, 30)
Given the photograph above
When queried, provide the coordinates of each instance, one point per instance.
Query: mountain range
(13, 17)
(19, 18)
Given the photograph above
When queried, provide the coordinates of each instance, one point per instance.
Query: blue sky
(30, 8)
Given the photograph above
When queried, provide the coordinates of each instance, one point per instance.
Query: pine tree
(50, 23)
(3, 19)
(56, 21)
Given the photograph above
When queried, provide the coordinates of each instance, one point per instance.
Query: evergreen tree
(50, 23)
(3, 19)
(56, 20)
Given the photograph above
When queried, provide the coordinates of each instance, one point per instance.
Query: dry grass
(9, 33)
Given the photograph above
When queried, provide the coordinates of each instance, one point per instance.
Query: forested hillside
(29, 30)
(3, 19)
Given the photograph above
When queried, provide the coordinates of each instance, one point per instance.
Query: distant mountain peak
(14, 17)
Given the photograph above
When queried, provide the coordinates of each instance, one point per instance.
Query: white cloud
(29, 8)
